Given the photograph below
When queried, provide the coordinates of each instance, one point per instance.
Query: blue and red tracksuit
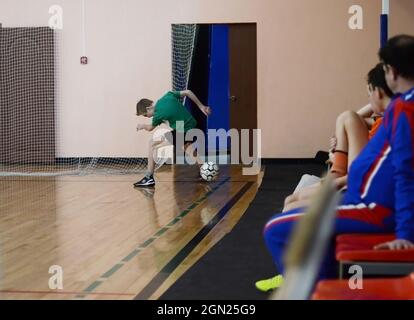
(380, 195)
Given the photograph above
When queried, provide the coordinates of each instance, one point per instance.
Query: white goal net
(30, 104)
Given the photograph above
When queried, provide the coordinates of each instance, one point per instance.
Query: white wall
(310, 65)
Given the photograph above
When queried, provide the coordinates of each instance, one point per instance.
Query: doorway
(223, 74)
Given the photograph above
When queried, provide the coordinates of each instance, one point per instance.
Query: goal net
(31, 82)
(183, 41)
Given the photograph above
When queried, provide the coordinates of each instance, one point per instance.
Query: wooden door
(243, 77)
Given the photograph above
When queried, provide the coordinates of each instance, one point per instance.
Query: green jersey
(169, 108)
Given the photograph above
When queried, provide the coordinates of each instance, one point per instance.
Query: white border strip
(386, 7)
(289, 216)
(368, 185)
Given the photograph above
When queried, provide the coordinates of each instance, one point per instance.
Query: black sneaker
(145, 182)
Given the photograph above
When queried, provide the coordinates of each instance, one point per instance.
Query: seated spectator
(353, 131)
(380, 193)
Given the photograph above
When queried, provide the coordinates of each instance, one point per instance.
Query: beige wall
(310, 65)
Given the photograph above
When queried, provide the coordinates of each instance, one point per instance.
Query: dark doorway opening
(223, 74)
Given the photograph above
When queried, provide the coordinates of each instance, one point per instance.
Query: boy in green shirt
(168, 109)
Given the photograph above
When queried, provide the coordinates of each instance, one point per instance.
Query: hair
(399, 53)
(376, 79)
(142, 106)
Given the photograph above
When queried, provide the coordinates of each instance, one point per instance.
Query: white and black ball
(209, 171)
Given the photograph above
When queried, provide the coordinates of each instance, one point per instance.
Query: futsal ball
(209, 171)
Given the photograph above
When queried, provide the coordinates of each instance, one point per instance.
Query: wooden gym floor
(111, 240)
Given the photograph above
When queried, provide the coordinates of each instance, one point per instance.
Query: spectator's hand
(206, 110)
(333, 143)
(330, 159)
(398, 244)
(140, 126)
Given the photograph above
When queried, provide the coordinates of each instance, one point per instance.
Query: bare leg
(303, 197)
(153, 146)
(298, 204)
(351, 134)
(300, 198)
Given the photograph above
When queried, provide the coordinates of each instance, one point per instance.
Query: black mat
(230, 269)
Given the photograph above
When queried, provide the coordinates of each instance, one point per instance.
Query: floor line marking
(114, 269)
(159, 279)
(154, 237)
(65, 293)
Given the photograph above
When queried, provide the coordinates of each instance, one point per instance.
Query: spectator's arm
(400, 130)
(366, 111)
